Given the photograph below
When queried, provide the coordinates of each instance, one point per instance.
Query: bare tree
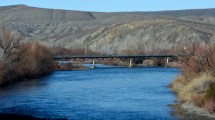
(9, 43)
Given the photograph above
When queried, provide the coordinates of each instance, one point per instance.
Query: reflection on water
(102, 93)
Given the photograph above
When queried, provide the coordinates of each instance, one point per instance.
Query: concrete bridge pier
(130, 62)
(94, 65)
(167, 60)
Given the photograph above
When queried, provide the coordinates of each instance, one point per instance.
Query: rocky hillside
(111, 33)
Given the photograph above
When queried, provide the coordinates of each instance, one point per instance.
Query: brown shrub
(210, 105)
(199, 58)
(60, 51)
(38, 60)
(20, 60)
(198, 100)
(197, 82)
(132, 52)
(210, 93)
(2, 71)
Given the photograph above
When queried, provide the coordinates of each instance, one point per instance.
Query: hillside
(111, 32)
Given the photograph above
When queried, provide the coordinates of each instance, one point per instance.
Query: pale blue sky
(115, 5)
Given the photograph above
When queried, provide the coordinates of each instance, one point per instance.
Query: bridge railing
(116, 56)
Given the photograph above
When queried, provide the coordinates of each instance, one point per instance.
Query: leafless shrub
(60, 51)
(197, 59)
(37, 61)
(9, 42)
(21, 60)
(132, 52)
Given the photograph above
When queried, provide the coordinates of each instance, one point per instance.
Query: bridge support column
(167, 60)
(130, 62)
(93, 66)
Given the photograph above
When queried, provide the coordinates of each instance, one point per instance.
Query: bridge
(130, 57)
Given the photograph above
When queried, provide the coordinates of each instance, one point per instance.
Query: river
(103, 93)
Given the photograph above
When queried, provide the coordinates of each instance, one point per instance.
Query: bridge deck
(114, 56)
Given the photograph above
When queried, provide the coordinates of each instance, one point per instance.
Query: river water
(103, 93)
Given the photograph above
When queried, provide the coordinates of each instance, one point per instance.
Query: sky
(115, 5)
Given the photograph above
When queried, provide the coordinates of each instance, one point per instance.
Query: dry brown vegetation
(197, 82)
(132, 52)
(21, 60)
(60, 51)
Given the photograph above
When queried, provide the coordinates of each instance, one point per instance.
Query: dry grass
(178, 84)
(200, 84)
(188, 91)
(199, 90)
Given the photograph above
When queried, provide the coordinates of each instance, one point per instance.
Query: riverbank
(24, 117)
(18, 117)
(69, 66)
(190, 112)
(195, 87)
(193, 96)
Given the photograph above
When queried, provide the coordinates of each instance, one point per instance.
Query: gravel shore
(187, 111)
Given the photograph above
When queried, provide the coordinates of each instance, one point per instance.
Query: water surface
(103, 93)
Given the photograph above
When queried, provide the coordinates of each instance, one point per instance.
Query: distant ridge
(111, 32)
